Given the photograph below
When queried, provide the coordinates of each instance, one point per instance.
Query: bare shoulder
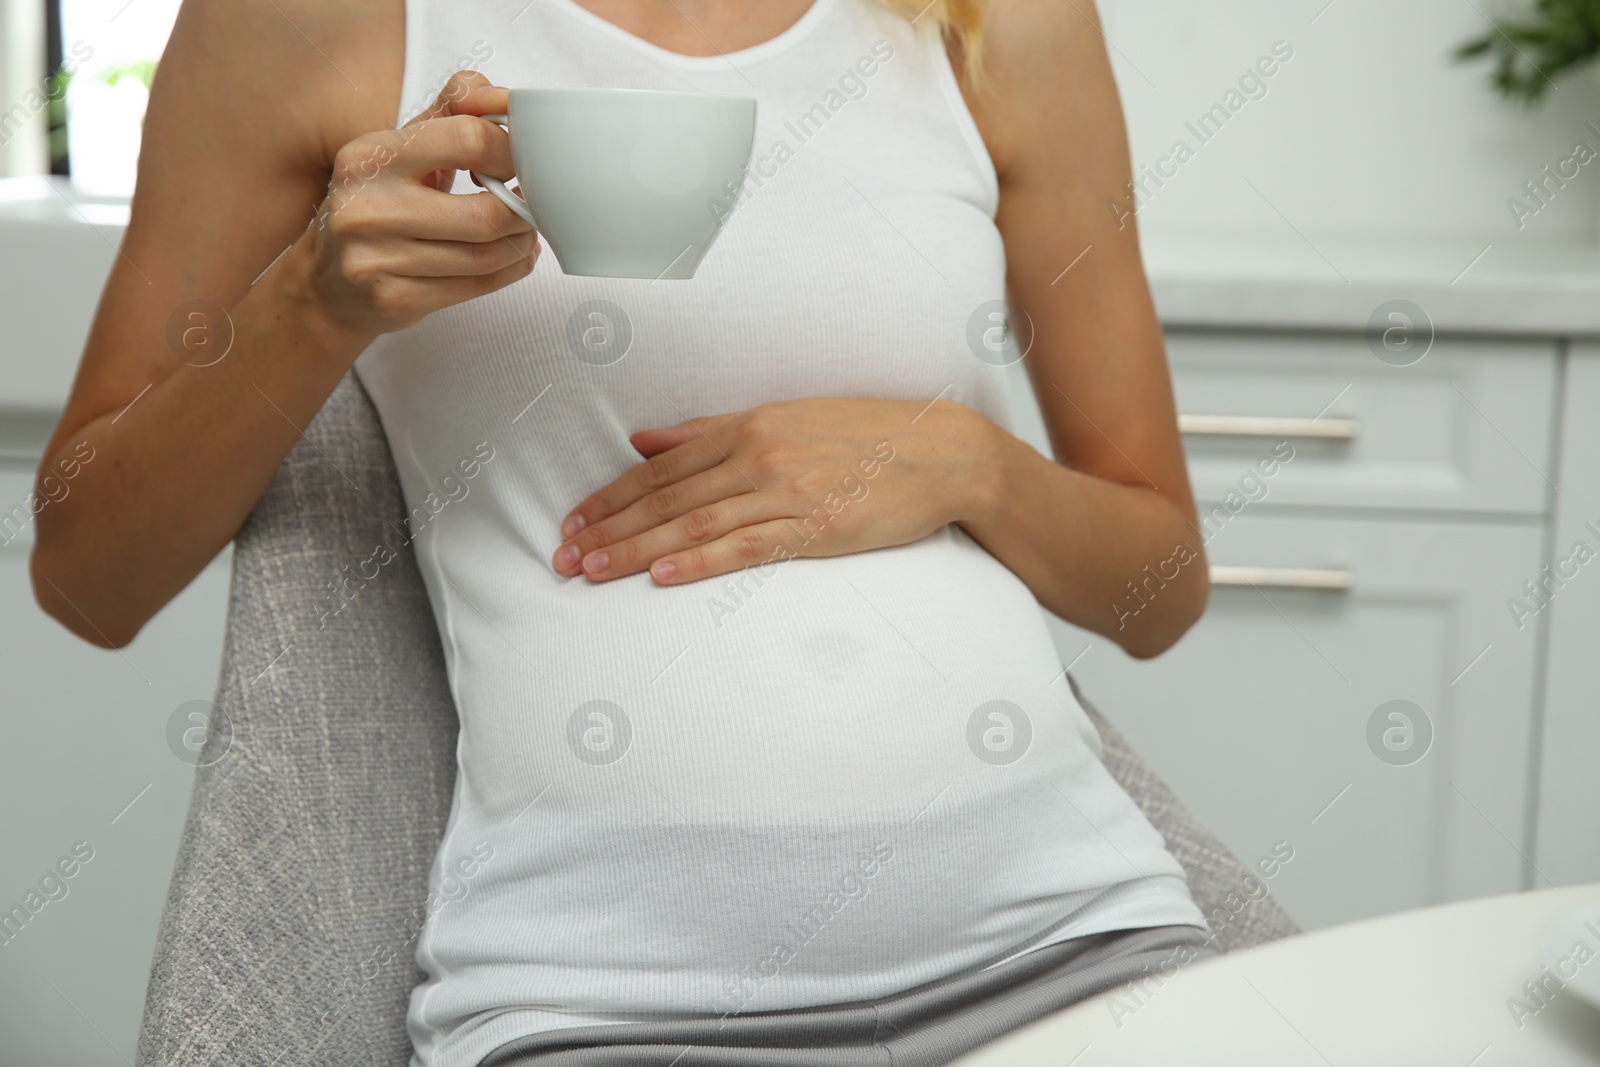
(1048, 83)
(250, 102)
(327, 72)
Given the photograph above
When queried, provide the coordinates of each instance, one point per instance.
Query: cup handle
(498, 187)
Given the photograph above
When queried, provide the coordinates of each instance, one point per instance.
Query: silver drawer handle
(1267, 426)
(1331, 578)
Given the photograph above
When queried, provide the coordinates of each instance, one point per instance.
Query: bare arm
(1117, 498)
(248, 122)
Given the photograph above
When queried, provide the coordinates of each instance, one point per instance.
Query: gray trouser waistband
(922, 1027)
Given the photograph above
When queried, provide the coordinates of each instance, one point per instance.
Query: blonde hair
(958, 19)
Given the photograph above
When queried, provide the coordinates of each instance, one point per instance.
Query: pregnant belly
(853, 685)
(865, 775)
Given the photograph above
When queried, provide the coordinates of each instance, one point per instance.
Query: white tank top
(821, 781)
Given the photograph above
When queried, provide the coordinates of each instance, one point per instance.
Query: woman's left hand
(813, 477)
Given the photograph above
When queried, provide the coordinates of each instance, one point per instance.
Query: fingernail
(573, 524)
(595, 562)
(567, 556)
(663, 569)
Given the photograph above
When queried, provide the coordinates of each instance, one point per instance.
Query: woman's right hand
(391, 243)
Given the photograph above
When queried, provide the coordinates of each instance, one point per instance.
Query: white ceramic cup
(626, 183)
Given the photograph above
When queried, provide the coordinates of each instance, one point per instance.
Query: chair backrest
(1234, 900)
(291, 919)
(328, 772)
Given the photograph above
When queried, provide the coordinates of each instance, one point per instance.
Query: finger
(674, 465)
(762, 545)
(707, 524)
(651, 442)
(413, 211)
(430, 294)
(468, 92)
(656, 508)
(452, 143)
(453, 259)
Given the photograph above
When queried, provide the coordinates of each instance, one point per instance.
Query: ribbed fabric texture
(752, 794)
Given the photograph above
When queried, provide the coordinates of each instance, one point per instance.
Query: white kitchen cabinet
(1568, 845)
(1431, 496)
(1258, 719)
(86, 758)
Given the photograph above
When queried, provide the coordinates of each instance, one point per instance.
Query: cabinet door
(1569, 800)
(87, 757)
(1259, 717)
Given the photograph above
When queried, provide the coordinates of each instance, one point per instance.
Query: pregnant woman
(766, 756)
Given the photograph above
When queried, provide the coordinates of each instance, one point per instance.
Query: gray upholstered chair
(299, 886)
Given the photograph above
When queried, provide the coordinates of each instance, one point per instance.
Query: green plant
(140, 70)
(1557, 36)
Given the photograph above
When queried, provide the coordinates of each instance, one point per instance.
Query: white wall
(1370, 130)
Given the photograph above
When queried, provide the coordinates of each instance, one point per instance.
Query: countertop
(58, 247)
(1471, 287)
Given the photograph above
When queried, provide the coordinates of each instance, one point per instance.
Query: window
(105, 52)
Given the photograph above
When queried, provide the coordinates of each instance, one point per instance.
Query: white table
(1415, 989)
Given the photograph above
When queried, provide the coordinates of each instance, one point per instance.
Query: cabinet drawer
(1468, 428)
(1259, 717)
